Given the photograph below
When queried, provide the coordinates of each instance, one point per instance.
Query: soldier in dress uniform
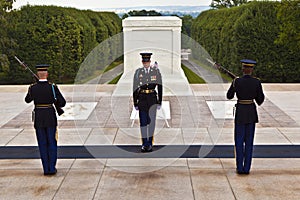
(44, 94)
(248, 90)
(147, 99)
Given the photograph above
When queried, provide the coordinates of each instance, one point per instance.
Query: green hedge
(61, 37)
(248, 31)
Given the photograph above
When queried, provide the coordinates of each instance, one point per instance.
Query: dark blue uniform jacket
(41, 94)
(246, 88)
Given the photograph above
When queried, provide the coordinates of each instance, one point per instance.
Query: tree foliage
(251, 31)
(143, 13)
(187, 21)
(6, 44)
(289, 17)
(61, 37)
(226, 3)
(6, 5)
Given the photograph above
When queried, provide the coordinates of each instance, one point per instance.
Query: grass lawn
(115, 80)
(112, 65)
(191, 76)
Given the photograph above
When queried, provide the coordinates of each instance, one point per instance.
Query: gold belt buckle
(147, 91)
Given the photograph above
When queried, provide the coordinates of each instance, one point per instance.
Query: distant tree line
(219, 4)
(61, 37)
(141, 13)
(268, 32)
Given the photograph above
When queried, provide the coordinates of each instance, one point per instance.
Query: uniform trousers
(48, 148)
(147, 124)
(243, 137)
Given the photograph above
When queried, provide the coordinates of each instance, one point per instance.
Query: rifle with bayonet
(221, 68)
(59, 110)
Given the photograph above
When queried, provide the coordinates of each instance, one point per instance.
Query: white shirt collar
(43, 80)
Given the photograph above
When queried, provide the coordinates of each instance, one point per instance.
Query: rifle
(26, 67)
(59, 110)
(221, 68)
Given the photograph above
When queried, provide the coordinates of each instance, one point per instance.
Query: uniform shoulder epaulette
(33, 84)
(138, 69)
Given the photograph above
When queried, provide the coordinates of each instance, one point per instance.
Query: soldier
(247, 89)
(44, 94)
(146, 99)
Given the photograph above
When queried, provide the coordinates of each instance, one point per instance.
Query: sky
(91, 4)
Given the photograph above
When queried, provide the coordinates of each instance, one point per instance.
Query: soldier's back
(43, 98)
(247, 87)
(42, 93)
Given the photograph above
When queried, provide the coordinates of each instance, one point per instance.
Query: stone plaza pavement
(94, 116)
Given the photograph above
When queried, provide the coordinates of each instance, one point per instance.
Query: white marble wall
(162, 37)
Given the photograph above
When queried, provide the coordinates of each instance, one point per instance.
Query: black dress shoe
(242, 172)
(50, 173)
(143, 149)
(149, 148)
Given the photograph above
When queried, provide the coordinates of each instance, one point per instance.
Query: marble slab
(77, 110)
(221, 109)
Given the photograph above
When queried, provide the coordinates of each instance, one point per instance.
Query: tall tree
(6, 5)
(289, 15)
(143, 13)
(187, 21)
(5, 41)
(226, 3)
(64, 46)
